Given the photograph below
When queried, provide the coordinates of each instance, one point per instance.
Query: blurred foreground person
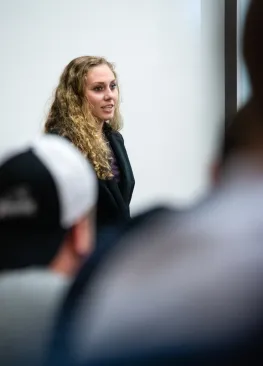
(48, 194)
(187, 290)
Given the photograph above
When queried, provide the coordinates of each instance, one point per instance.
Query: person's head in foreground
(86, 97)
(243, 138)
(48, 197)
(253, 47)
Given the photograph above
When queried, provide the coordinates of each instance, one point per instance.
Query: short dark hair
(246, 128)
(253, 46)
(244, 132)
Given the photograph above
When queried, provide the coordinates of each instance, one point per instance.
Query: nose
(108, 94)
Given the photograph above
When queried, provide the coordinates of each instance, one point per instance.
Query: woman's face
(101, 91)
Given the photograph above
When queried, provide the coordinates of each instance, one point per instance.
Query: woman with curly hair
(85, 110)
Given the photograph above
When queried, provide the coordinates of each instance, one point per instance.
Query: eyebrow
(102, 83)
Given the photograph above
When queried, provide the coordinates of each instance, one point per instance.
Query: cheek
(115, 96)
(93, 99)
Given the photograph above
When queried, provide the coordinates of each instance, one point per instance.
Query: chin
(108, 117)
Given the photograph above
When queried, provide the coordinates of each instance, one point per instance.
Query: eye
(113, 86)
(98, 88)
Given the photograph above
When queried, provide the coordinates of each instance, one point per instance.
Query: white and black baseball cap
(45, 187)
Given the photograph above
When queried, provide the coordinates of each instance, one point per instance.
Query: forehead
(101, 73)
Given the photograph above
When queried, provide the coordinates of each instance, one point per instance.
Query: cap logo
(17, 202)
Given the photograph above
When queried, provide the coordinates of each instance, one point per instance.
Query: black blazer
(114, 198)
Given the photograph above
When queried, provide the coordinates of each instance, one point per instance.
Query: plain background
(169, 55)
(243, 89)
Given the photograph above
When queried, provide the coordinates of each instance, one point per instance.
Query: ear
(82, 236)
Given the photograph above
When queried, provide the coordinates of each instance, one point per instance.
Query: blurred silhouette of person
(48, 194)
(86, 111)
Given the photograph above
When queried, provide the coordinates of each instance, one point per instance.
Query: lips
(108, 107)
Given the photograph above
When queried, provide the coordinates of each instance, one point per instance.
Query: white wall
(212, 86)
(169, 56)
(243, 84)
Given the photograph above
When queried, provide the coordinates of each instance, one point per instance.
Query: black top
(114, 195)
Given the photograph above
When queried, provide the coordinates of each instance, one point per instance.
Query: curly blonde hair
(71, 115)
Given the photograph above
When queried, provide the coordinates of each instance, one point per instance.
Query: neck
(101, 125)
(65, 263)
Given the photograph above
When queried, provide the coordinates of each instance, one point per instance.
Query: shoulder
(110, 132)
(119, 136)
(31, 298)
(23, 283)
